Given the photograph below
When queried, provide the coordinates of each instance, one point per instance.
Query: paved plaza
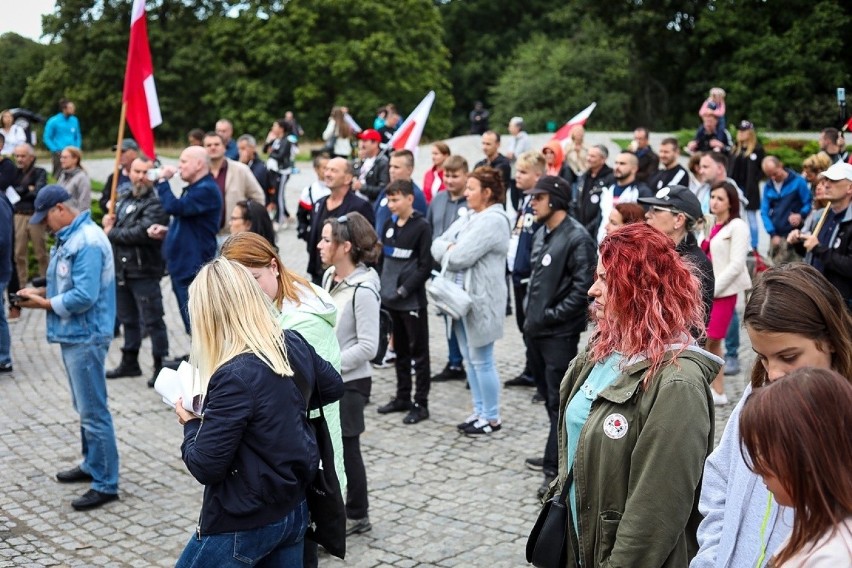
(437, 498)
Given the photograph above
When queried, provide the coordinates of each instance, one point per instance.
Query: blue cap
(47, 198)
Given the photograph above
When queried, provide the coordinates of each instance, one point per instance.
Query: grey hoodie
(733, 502)
(357, 321)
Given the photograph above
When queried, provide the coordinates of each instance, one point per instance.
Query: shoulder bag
(449, 297)
(547, 546)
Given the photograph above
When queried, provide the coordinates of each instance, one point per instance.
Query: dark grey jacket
(136, 254)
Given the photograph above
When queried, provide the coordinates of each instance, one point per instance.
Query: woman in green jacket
(636, 420)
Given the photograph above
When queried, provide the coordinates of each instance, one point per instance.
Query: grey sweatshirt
(357, 326)
(733, 501)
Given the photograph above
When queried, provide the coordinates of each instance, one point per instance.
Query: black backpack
(385, 325)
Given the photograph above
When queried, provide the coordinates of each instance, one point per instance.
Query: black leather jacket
(137, 255)
(587, 202)
(563, 266)
(377, 178)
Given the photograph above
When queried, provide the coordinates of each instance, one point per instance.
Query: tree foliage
(22, 59)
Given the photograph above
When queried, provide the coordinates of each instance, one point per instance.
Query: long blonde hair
(231, 315)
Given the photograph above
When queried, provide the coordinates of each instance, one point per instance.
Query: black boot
(158, 364)
(175, 363)
(129, 366)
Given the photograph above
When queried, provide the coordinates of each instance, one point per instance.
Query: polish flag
(140, 94)
(408, 134)
(563, 133)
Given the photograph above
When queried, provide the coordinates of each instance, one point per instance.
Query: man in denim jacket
(80, 304)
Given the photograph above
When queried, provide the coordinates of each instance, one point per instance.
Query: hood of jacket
(312, 300)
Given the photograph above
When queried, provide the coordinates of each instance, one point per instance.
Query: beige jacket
(830, 551)
(728, 252)
(240, 184)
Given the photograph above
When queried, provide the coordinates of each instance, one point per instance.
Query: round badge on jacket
(389, 233)
(595, 198)
(615, 426)
(383, 202)
(546, 260)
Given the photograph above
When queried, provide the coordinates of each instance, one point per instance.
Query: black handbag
(325, 500)
(547, 545)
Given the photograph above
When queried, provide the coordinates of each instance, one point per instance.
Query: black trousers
(520, 318)
(549, 358)
(356, 394)
(411, 341)
(139, 302)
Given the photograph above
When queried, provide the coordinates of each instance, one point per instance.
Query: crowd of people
(651, 256)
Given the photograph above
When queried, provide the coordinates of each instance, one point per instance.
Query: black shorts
(356, 395)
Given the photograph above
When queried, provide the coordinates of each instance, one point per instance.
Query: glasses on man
(658, 208)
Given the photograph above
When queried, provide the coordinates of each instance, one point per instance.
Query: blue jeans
(5, 338)
(732, 339)
(278, 544)
(454, 356)
(754, 226)
(481, 376)
(181, 290)
(84, 364)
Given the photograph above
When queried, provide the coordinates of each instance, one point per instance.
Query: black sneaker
(521, 380)
(537, 398)
(545, 485)
(417, 413)
(358, 526)
(450, 374)
(92, 499)
(5, 368)
(535, 464)
(481, 427)
(468, 422)
(73, 475)
(395, 405)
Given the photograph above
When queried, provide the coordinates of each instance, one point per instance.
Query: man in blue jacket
(785, 204)
(80, 304)
(61, 130)
(191, 235)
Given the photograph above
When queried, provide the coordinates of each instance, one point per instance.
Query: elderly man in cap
(373, 174)
(80, 304)
(675, 210)
(129, 152)
(830, 250)
(564, 256)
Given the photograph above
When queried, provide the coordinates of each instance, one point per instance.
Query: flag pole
(821, 221)
(117, 165)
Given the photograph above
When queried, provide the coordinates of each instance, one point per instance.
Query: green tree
(551, 80)
(22, 58)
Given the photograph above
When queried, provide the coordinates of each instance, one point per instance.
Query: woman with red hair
(635, 421)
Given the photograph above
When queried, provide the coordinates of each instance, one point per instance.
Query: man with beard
(672, 173)
(625, 189)
(138, 270)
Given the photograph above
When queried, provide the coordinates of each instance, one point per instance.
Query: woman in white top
(727, 247)
(337, 133)
(13, 133)
(796, 431)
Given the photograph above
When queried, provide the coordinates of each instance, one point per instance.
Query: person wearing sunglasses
(675, 211)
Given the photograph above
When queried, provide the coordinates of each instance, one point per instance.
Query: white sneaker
(719, 399)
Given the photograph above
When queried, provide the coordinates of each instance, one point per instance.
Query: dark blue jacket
(7, 228)
(522, 267)
(191, 240)
(776, 206)
(253, 449)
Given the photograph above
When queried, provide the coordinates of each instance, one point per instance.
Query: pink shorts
(720, 317)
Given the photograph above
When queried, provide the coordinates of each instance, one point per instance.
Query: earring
(276, 275)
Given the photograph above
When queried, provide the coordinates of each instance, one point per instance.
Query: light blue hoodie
(733, 501)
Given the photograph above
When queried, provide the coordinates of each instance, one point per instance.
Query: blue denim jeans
(454, 357)
(181, 290)
(5, 338)
(278, 544)
(481, 376)
(732, 339)
(754, 227)
(84, 364)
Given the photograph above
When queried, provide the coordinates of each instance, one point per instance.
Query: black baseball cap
(676, 197)
(553, 185)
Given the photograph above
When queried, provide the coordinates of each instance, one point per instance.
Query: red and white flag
(408, 134)
(563, 133)
(140, 94)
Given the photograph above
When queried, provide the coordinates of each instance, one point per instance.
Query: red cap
(370, 134)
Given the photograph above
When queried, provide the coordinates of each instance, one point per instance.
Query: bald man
(191, 235)
(626, 189)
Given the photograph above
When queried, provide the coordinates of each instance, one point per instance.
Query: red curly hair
(653, 297)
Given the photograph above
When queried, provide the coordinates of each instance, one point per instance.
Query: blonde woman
(74, 178)
(256, 453)
(576, 151)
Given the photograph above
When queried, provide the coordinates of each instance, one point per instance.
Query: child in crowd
(796, 434)
(310, 195)
(715, 103)
(406, 238)
(445, 208)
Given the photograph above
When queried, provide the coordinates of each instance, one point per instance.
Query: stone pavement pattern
(437, 498)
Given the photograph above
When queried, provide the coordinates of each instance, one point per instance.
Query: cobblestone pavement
(437, 498)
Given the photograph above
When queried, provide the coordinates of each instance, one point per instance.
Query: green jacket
(639, 460)
(314, 318)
